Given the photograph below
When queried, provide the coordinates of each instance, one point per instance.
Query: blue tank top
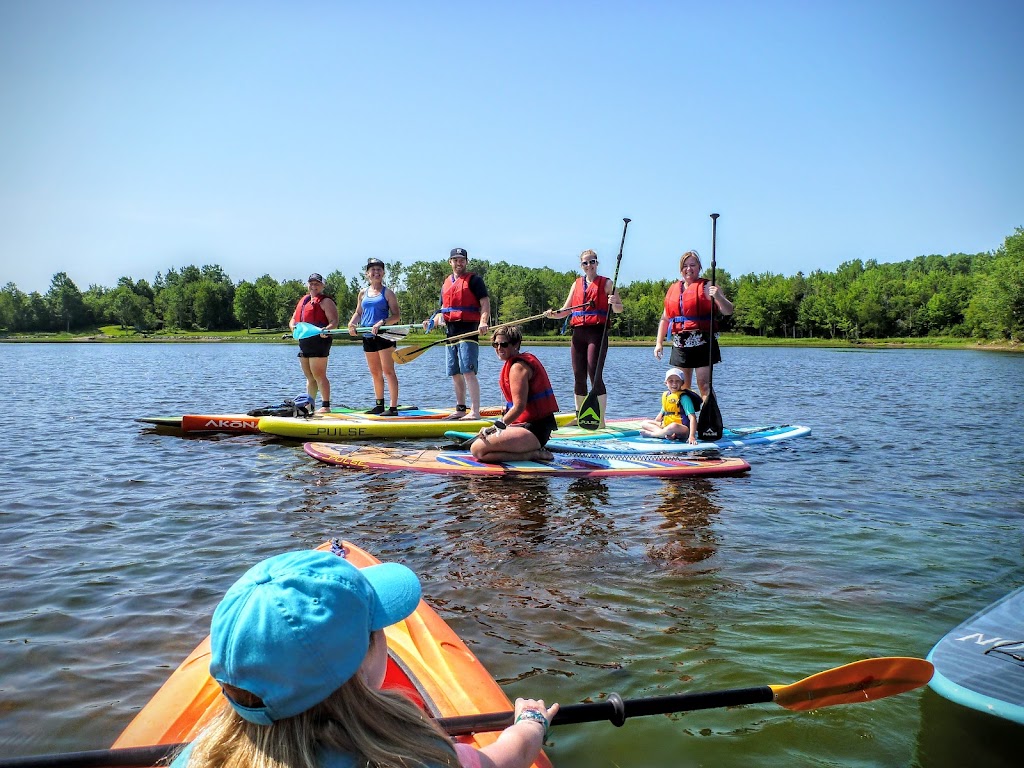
(375, 309)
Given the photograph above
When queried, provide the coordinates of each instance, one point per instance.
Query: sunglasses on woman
(501, 344)
(588, 262)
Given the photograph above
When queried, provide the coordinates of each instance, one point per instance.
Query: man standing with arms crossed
(465, 307)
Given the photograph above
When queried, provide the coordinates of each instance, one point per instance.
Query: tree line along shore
(954, 300)
(116, 334)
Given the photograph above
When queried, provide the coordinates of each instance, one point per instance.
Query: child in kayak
(677, 403)
(298, 648)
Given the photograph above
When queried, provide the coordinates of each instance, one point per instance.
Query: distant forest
(970, 296)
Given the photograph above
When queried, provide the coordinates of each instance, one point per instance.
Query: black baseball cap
(375, 263)
(315, 276)
(458, 253)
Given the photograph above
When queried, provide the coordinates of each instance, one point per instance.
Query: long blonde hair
(383, 729)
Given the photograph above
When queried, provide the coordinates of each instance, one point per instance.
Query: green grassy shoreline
(114, 334)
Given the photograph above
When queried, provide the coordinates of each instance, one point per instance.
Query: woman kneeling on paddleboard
(298, 648)
(530, 407)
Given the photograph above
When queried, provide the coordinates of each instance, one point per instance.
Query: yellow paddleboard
(341, 430)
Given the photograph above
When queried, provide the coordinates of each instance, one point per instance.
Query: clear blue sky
(286, 137)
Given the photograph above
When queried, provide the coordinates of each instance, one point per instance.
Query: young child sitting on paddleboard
(677, 403)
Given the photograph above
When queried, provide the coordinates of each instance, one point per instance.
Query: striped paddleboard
(463, 463)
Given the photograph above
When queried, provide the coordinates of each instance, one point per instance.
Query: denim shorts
(462, 357)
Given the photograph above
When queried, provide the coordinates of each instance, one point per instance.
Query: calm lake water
(897, 518)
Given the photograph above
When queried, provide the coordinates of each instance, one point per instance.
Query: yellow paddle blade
(408, 354)
(865, 680)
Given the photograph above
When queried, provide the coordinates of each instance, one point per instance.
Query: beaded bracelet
(536, 716)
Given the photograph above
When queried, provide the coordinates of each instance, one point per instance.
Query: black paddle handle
(128, 757)
(711, 332)
(614, 709)
(618, 259)
(615, 281)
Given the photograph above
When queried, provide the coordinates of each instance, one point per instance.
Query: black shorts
(542, 429)
(376, 343)
(315, 346)
(690, 350)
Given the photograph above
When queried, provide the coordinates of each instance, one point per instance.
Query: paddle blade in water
(709, 420)
(865, 680)
(589, 414)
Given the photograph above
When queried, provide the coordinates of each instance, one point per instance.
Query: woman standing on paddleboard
(688, 307)
(298, 648)
(530, 406)
(588, 328)
(377, 305)
(320, 310)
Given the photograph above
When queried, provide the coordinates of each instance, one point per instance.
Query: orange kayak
(426, 660)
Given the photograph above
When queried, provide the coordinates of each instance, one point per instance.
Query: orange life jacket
(540, 398)
(689, 309)
(308, 310)
(582, 293)
(458, 302)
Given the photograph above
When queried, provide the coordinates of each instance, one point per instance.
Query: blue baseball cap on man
(297, 626)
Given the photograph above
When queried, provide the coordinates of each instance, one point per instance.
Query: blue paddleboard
(980, 664)
(731, 438)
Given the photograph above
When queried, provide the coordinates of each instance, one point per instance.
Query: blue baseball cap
(297, 626)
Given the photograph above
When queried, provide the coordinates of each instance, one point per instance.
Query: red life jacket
(540, 399)
(597, 314)
(308, 310)
(688, 310)
(457, 301)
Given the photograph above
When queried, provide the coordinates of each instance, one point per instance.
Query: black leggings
(588, 349)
